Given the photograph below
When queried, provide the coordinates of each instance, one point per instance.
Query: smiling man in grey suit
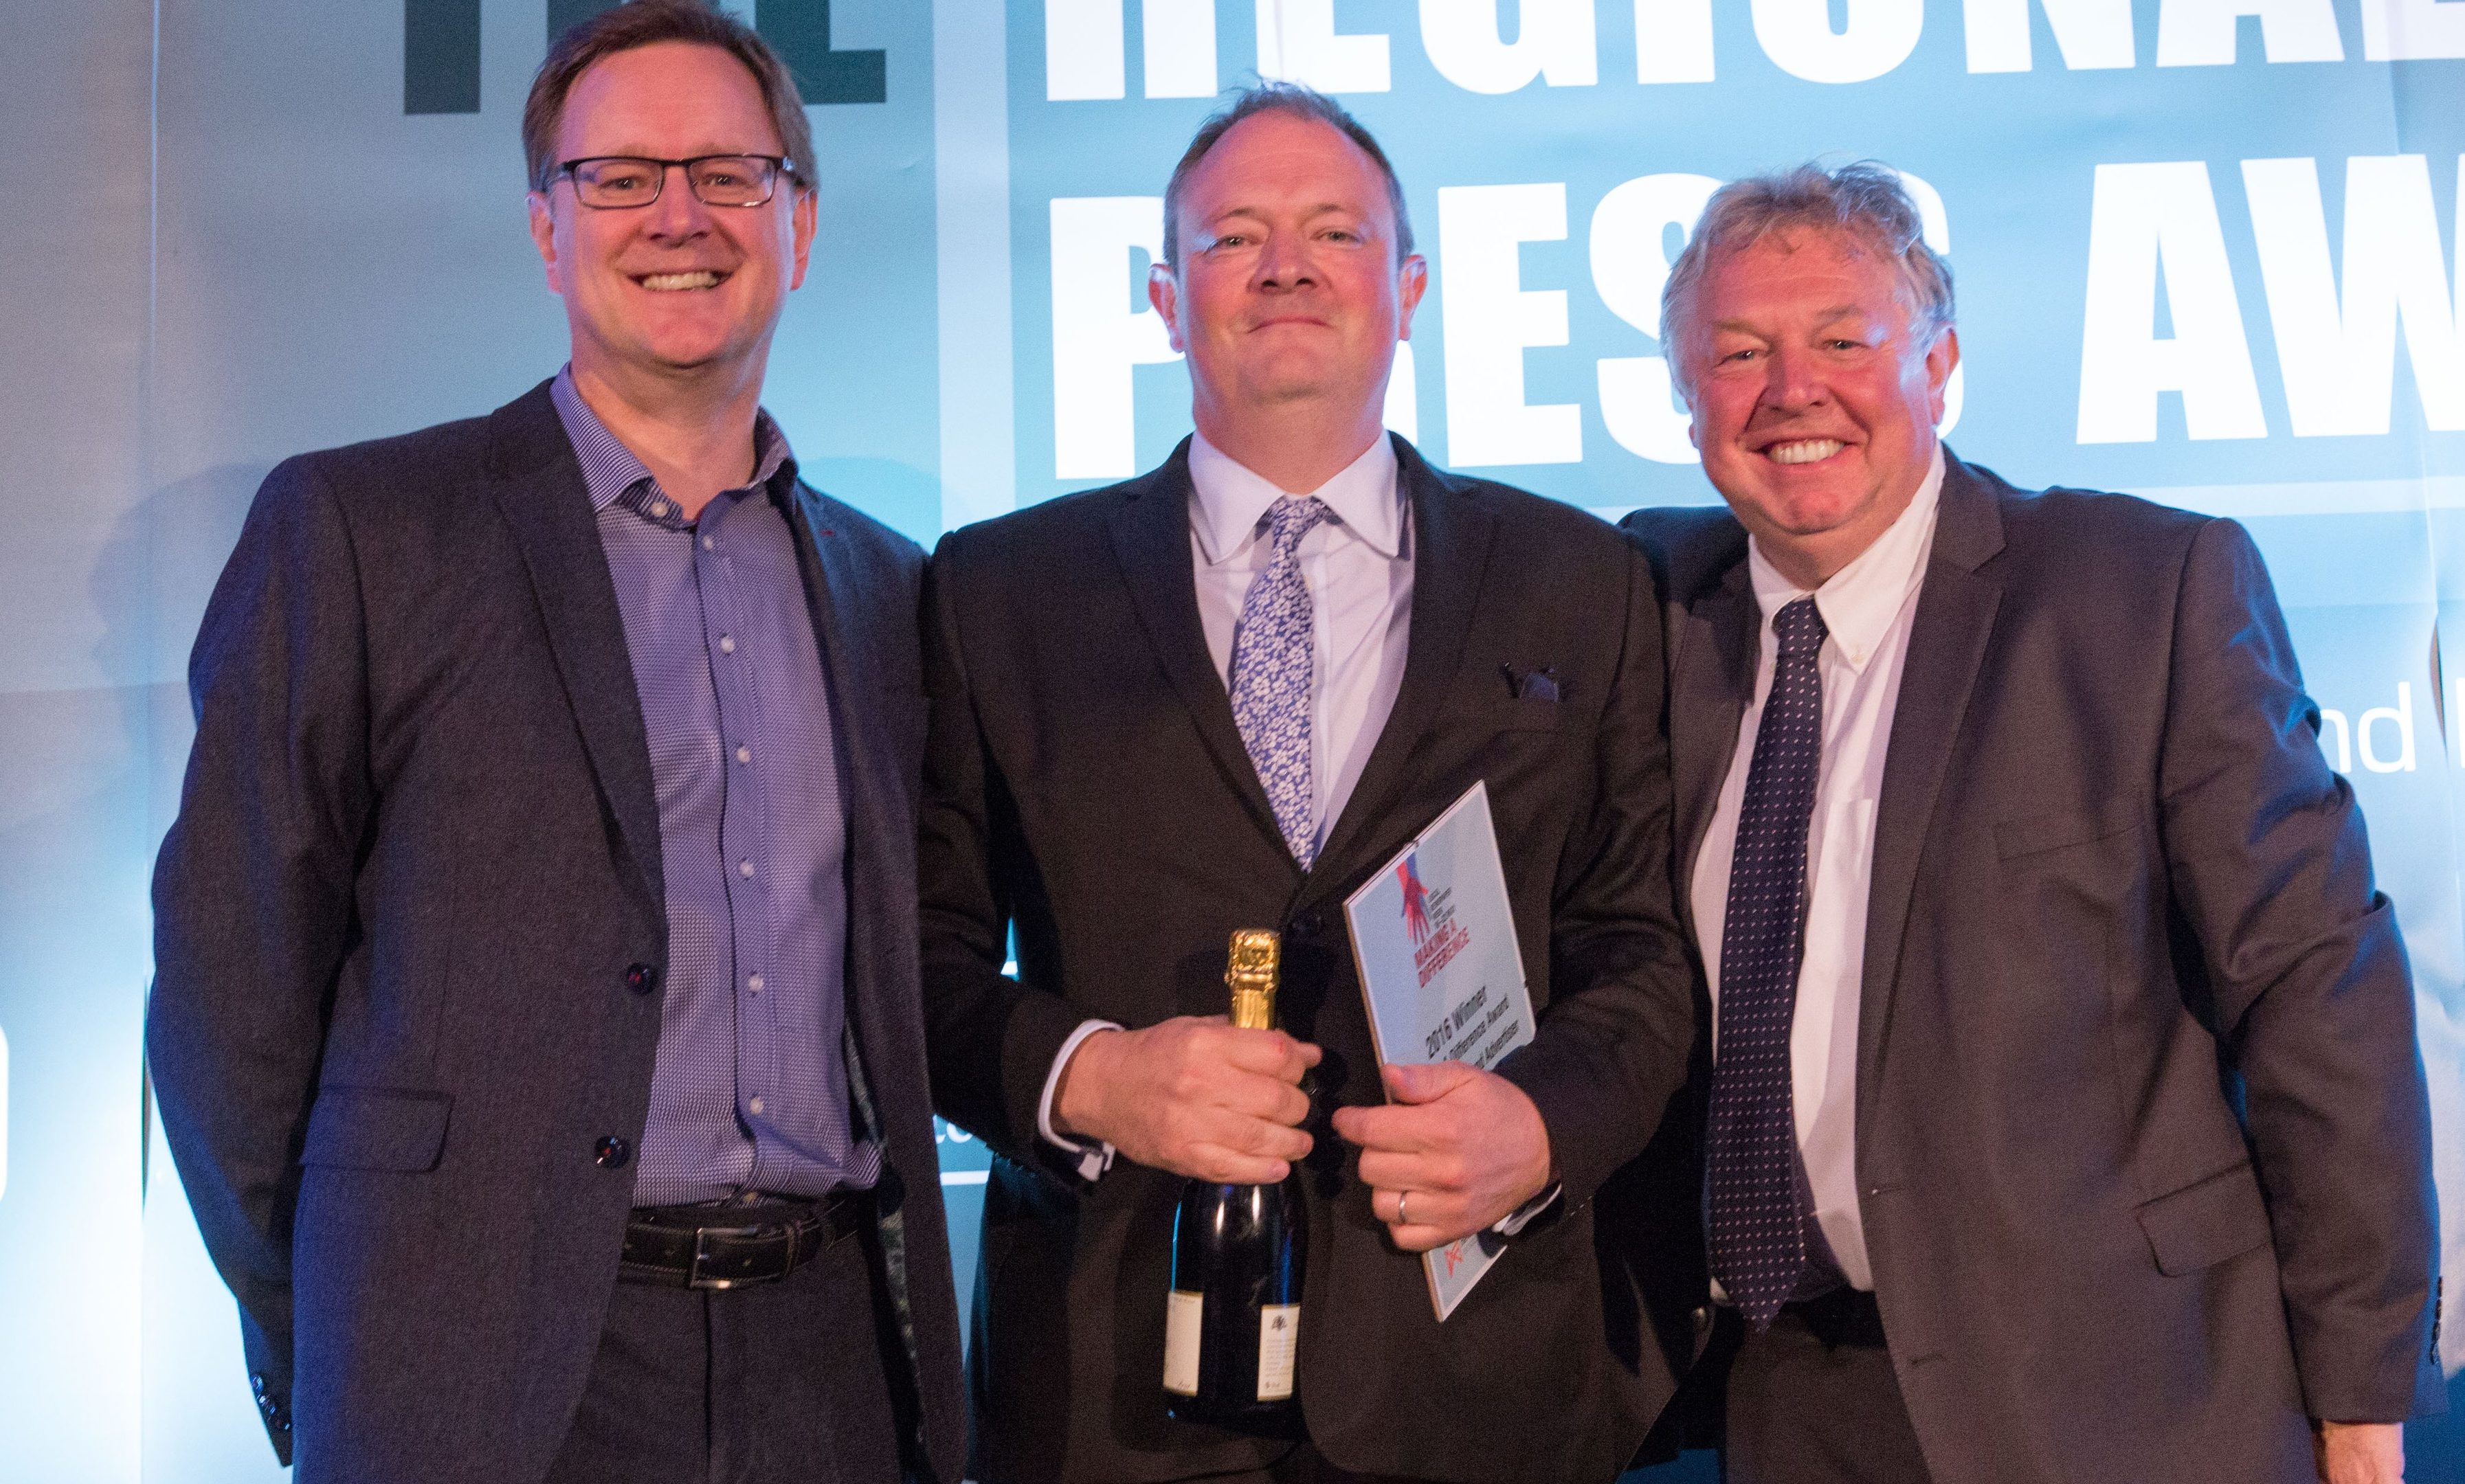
(536, 1027)
(2064, 1122)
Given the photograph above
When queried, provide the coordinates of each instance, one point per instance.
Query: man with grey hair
(1224, 696)
(2064, 1120)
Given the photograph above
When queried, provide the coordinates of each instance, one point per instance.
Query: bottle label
(1181, 1314)
(1279, 1336)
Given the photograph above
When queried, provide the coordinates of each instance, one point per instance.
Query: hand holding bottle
(1194, 1094)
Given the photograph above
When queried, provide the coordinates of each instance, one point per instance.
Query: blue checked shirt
(750, 1088)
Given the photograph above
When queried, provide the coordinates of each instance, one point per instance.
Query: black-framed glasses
(615, 182)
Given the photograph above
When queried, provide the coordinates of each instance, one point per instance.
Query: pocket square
(1540, 684)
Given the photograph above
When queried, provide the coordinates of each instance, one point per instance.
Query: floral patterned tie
(1272, 671)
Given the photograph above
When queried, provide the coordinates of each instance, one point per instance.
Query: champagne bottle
(1233, 1319)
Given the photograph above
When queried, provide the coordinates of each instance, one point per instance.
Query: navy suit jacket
(2144, 1147)
(409, 938)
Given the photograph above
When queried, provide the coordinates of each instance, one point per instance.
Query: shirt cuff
(1523, 1215)
(1093, 1158)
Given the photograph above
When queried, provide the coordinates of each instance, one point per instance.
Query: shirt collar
(1860, 601)
(611, 469)
(1230, 500)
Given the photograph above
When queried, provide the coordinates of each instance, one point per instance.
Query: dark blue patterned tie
(1758, 1232)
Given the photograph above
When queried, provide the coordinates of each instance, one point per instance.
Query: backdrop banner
(2208, 250)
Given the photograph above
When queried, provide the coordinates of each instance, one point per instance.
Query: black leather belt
(721, 1245)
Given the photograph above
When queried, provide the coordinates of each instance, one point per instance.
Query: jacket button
(641, 978)
(1703, 1318)
(614, 1152)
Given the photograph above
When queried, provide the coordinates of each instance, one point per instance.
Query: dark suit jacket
(2143, 1143)
(416, 859)
(1085, 784)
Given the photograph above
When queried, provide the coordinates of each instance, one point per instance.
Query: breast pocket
(2034, 834)
(376, 1129)
(1526, 714)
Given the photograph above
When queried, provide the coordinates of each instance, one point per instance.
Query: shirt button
(710, 543)
(745, 868)
(755, 1105)
(641, 978)
(743, 754)
(660, 508)
(754, 984)
(614, 1152)
(727, 644)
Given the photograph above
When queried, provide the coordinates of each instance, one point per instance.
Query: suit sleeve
(253, 894)
(990, 1039)
(1612, 1046)
(2314, 1000)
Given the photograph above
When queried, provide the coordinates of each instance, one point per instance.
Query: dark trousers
(779, 1381)
(1813, 1401)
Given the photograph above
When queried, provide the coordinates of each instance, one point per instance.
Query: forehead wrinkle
(635, 150)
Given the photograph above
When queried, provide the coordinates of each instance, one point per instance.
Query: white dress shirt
(1868, 607)
(1358, 567)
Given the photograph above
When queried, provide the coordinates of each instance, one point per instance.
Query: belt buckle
(704, 1252)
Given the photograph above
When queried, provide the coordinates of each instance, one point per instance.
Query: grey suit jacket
(2143, 1140)
(400, 925)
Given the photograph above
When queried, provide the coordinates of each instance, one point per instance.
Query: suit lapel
(1948, 643)
(832, 584)
(538, 487)
(834, 588)
(1451, 542)
(1152, 540)
(1711, 678)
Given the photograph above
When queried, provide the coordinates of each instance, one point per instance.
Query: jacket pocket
(2035, 834)
(2203, 1224)
(1526, 714)
(376, 1128)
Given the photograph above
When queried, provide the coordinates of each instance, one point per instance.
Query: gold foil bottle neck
(1250, 972)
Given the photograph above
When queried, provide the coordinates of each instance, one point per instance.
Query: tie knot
(1294, 517)
(1799, 628)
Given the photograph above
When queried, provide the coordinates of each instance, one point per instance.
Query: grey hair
(1864, 200)
(1301, 102)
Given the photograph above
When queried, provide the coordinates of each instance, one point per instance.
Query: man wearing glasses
(536, 1027)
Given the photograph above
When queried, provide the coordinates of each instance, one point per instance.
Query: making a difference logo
(440, 52)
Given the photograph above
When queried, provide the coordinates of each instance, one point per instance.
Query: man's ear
(1163, 292)
(805, 217)
(1685, 394)
(1412, 281)
(543, 220)
(1941, 358)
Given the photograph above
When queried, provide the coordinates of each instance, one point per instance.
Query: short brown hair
(1301, 102)
(643, 23)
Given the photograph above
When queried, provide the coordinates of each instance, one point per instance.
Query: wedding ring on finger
(1401, 1197)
